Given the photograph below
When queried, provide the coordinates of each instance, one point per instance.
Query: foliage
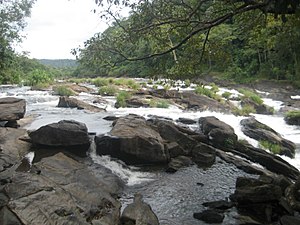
(244, 111)
(109, 90)
(38, 77)
(12, 22)
(274, 148)
(226, 95)
(293, 114)
(63, 91)
(251, 95)
(122, 97)
(159, 103)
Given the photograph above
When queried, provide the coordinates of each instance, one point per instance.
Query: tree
(12, 21)
(173, 23)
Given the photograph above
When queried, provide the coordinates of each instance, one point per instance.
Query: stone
(289, 220)
(209, 216)
(66, 191)
(261, 132)
(177, 163)
(139, 212)
(69, 102)
(65, 133)
(204, 155)
(12, 109)
(133, 141)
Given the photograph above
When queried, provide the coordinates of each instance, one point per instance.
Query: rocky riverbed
(180, 163)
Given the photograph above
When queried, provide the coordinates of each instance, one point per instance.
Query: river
(173, 197)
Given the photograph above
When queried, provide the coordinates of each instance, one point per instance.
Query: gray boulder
(261, 132)
(133, 141)
(139, 213)
(65, 133)
(61, 190)
(68, 102)
(12, 109)
(220, 134)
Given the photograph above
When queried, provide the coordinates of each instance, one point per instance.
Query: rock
(66, 133)
(200, 102)
(7, 217)
(175, 149)
(186, 121)
(11, 144)
(110, 118)
(220, 134)
(133, 141)
(270, 161)
(12, 109)
(203, 155)
(221, 204)
(139, 213)
(257, 194)
(177, 163)
(207, 124)
(209, 216)
(292, 117)
(65, 191)
(259, 108)
(289, 220)
(261, 132)
(69, 102)
(170, 132)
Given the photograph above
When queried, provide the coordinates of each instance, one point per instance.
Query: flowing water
(173, 197)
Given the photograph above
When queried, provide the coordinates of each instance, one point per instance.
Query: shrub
(244, 111)
(100, 82)
(121, 98)
(274, 148)
(187, 83)
(226, 95)
(63, 91)
(293, 114)
(251, 95)
(107, 90)
(205, 91)
(159, 104)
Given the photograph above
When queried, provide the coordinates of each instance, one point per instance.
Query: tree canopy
(189, 36)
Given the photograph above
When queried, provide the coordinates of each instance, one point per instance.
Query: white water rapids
(42, 105)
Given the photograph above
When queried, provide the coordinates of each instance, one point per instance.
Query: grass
(109, 90)
(293, 114)
(122, 97)
(245, 111)
(100, 82)
(274, 148)
(159, 104)
(63, 91)
(251, 95)
(226, 95)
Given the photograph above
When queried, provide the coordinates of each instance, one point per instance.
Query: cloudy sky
(57, 26)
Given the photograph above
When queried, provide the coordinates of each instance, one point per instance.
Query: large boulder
(262, 199)
(261, 132)
(139, 213)
(133, 141)
(65, 133)
(68, 102)
(220, 134)
(61, 190)
(12, 109)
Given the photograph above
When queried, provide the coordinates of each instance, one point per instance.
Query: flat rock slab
(65, 191)
(12, 109)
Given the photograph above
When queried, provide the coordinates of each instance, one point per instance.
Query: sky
(57, 26)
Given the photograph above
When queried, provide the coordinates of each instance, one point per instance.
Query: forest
(240, 40)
